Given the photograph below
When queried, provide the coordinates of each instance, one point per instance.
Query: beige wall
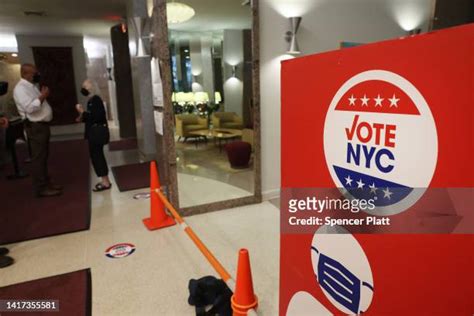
(11, 74)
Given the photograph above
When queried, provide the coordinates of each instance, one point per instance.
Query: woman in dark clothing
(96, 132)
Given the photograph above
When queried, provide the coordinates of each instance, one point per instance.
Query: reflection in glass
(211, 66)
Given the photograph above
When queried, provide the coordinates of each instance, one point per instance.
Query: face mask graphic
(341, 284)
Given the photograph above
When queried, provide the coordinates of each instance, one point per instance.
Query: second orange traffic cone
(158, 217)
(244, 298)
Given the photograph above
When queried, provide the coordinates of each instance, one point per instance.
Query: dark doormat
(123, 144)
(132, 177)
(24, 217)
(71, 291)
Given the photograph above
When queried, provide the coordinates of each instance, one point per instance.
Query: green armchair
(186, 123)
(227, 120)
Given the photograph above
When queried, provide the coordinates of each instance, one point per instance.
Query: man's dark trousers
(38, 135)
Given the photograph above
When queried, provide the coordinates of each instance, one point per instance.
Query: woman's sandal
(100, 187)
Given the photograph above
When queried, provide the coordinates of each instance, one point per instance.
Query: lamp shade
(201, 97)
(173, 97)
(217, 97)
(178, 12)
(180, 97)
(189, 97)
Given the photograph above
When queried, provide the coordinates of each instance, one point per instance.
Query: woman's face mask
(85, 92)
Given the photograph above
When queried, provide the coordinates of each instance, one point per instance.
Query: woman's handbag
(99, 134)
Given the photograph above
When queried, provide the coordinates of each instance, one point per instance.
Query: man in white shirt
(37, 113)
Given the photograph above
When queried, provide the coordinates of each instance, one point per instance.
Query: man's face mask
(36, 77)
(339, 282)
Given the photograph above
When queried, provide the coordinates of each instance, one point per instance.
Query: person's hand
(79, 108)
(44, 92)
(3, 122)
(79, 119)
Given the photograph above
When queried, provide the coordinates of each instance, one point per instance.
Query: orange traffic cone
(244, 298)
(158, 217)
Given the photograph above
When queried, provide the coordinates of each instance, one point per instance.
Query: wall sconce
(234, 72)
(414, 31)
(290, 37)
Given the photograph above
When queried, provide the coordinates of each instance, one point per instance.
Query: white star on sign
(373, 189)
(352, 100)
(360, 184)
(378, 100)
(365, 100)
(387, 194)
(394, 101)
(348, 180)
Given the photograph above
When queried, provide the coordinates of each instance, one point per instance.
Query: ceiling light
(178, 12)
(14, 55)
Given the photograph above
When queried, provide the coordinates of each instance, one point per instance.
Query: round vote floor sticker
(380, 141)
(119, 251)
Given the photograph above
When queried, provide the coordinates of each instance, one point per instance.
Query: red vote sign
(377, 178)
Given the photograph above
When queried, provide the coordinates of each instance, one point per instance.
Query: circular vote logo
(119, 251)
(380, 141)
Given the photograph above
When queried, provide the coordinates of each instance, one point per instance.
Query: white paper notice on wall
(158, 122)
(157, 94)
(157, 84)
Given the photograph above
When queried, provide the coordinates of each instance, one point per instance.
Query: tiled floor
(153, 280)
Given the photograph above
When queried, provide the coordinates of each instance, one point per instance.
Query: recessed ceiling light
(14, 55)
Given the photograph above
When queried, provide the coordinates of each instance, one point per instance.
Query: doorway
(56, 66)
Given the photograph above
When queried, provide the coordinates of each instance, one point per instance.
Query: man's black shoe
(55, 187)
(49, 193)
